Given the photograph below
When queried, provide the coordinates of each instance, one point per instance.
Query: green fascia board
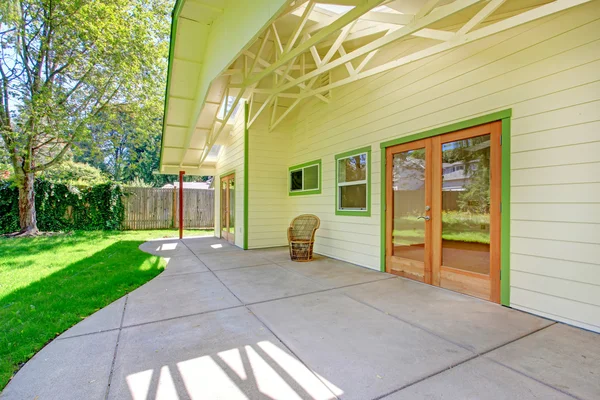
(505, 117)
(306, 192)
(354, 213)
(382, 213)
(246, 148)
(174, 19)
(484, 119)
(505, 215)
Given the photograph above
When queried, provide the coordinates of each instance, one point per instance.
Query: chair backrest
(304, 226)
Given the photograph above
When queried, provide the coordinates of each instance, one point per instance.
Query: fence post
(174, 209)
(181, 173)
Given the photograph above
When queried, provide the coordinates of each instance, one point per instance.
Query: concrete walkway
(222, 323)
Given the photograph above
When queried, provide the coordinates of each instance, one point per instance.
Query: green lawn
(48, 284)
(456, 226)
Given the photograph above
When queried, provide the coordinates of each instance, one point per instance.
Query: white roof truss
(296, 55)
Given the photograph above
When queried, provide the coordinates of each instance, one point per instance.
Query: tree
(474, 154)
(126, 142)
(63, 63)
(74, 173)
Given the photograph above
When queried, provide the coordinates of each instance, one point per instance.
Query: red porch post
(181, 173)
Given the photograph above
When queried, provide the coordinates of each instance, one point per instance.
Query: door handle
(426, 217)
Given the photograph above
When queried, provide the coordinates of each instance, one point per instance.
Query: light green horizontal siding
(548, 73)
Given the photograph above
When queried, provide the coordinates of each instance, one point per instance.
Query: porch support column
(181, 173)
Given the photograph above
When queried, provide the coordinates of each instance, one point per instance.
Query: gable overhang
(206, 35)
(277, 54)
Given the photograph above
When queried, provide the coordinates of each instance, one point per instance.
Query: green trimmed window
(305, 179)
(353, 182)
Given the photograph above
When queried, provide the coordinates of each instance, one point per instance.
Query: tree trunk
(27, 215)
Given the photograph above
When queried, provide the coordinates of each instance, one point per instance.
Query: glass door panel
(232, 206)
(408, 199)
(408, 185)
(228, 208)
(466, 204)
(223, 207)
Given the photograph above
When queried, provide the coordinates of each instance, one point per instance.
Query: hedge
(63, 207)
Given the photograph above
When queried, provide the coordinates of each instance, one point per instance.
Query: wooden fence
(407, 202)
(156, 208)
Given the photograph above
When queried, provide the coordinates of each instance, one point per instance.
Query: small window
(305, 178)
(353, 191)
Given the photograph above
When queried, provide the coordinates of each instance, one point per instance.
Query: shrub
(64, 207)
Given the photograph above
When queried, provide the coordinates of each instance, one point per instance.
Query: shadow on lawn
(32, 316)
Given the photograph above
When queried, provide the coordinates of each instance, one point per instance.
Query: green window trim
(505, 117)
(353, 212)
(301, 167)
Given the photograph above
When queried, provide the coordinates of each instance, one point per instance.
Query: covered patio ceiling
(276, 54)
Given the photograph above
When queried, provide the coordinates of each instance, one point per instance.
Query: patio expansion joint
(224, 308)
(87, 334)
(337, 287)
(412, 324)
(481, 355)
(181, 316)
(313, 292)
(112, 365)
(246, 306)
(219, 309)
(180, 274)
(236, 268)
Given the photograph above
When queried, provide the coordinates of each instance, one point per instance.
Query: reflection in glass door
(228, 207)
(443, 211)
(409, 198)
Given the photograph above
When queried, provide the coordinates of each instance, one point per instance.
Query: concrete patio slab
(75, 368)
(331, 273)
(186, 335)
(275, 254)
(477, 379)
(223, 355)
(184, 265)
(561, 356)
(265, 282)
(208, 245)
(475, 324)
(102, 320)
(166, 248)
(359, 350)
(175, 296)
(232, 259)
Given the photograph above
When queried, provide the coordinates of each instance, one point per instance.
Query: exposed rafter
(290, 52)
(308, 51)
(528, 16)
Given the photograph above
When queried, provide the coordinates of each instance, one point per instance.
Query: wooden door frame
(228, 176)
(504, 158)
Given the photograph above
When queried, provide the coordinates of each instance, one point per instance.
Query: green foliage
(474, 153)
(67, 65)
(62, 207)
(457, 226)
(75, 174)
(139, 182)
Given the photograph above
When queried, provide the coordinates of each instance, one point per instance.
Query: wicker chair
(301, 236)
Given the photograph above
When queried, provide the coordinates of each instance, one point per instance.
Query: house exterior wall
(268, 205)
(231, 159)
(548, 73)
